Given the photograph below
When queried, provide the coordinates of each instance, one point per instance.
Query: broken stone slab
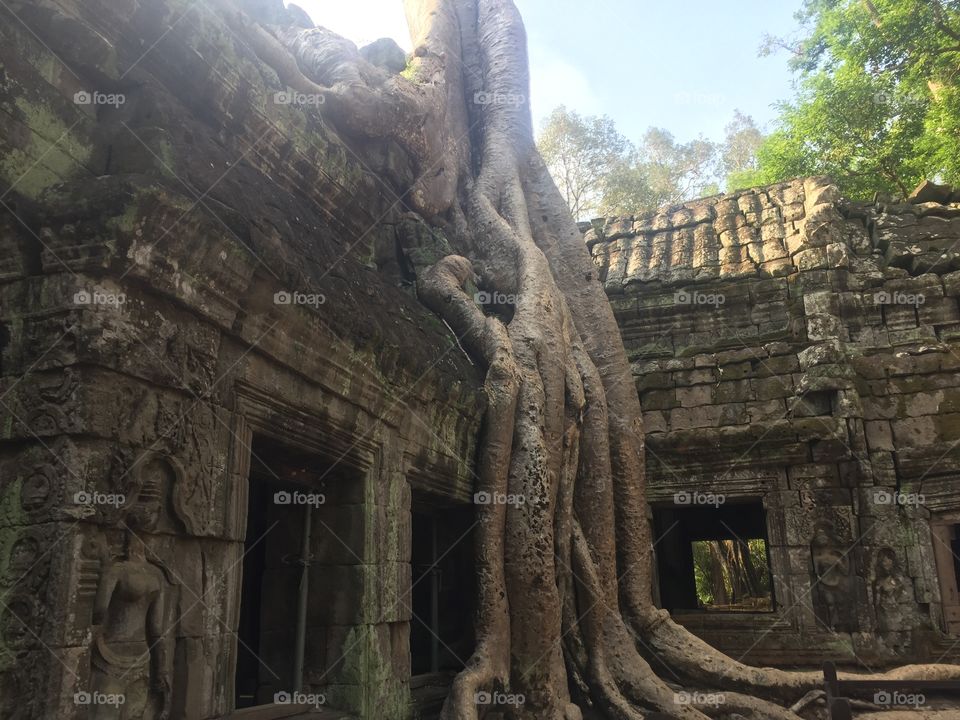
(834, 255)
(936, 209)
(826, 353)
(928, 191)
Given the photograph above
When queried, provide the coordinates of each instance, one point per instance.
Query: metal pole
(301, 638)
(434, 603)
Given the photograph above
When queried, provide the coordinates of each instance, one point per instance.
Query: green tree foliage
(735, 580)
(878, 104)
(601, 173)
(580, 153)
(738, 156)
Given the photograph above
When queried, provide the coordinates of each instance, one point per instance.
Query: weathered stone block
(654, 381)
(913, 432)
(879, 434)
(735, 371)
(694, 396)
(698, 376)
(734, 391)
(659, 400)
(763, 412)
(823, 354)
(655, 421)
(697, 417)
(824, 327)
(951, 284)
(772, 388)
(948, 427)
(913, 336)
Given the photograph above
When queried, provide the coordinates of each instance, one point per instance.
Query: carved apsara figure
(892, 600)
(888, 592)
(831, 567)
(129, 656)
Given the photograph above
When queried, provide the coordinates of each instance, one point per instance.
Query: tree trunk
(718, 585)
(565, 614)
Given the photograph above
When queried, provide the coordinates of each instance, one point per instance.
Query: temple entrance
(283, 501)
(945, 532)
(251, 600)
(442, 598)
(713, 559)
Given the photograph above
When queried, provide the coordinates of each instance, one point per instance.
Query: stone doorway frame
(943, 529)
(259, 413)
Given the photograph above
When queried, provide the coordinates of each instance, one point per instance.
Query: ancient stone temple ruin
(237, 454)
(797, 361)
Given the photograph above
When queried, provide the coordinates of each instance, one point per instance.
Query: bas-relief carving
(186, 434)
(53, 338)
(893, 601)
(40, 488)
(194, 355)
(833, 588)
(163, 478)
(44, 405)
(198, 501)
(24, 562)
(21, 617)
(134, 616)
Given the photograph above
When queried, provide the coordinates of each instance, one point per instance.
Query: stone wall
(203, 287)
(183, 275)
(801, 350)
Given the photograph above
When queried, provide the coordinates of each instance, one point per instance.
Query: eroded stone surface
(187, 273)
(207, 267)
(805, 354)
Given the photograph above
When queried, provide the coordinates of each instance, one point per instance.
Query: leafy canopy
(877, 104)
(601, 173)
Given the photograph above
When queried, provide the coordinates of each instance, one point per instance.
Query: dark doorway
(945, 533)
(441, 629)
(251, 599)
(713, 558)
(281, 478)
(955, 551)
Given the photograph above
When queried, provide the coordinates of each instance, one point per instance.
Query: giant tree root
(564, 615)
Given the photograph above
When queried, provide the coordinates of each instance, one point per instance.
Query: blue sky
(684, 66)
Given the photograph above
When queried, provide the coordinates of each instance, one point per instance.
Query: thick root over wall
(565, 614)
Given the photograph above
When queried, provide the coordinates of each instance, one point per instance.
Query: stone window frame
(765, 489)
